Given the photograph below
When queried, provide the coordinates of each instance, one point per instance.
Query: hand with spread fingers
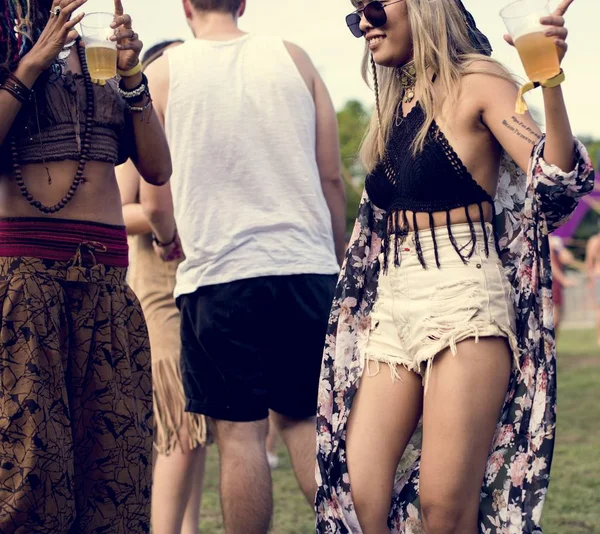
(556, 28)
(59, 31)
(128, 42)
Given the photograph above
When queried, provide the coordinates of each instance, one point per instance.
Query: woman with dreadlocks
(438, 388)
(75, 383)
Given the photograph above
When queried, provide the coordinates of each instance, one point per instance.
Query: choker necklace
(407, 74)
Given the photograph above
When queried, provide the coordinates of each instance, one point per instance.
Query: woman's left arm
(151, 155)
(518, 134)
(559, 149)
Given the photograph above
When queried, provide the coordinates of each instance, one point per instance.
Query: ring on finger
(56, 11)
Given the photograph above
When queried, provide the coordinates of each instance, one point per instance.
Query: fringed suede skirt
(75, 382)
(153, 281)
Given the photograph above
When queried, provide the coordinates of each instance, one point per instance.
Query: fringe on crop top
(433, 181)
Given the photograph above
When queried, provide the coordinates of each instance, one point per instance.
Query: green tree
(593, 146)
(353, 120)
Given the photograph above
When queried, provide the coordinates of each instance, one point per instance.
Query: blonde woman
(179, 437)
(437, 398)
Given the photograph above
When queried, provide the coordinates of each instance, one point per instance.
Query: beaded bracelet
(136, 94)
(17, 89)
(139, 109)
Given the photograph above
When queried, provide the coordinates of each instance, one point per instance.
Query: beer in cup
(538, 52)
(100, 51)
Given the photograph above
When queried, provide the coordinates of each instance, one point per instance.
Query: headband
(478, 39)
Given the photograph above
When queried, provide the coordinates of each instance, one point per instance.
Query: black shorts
(253, 345)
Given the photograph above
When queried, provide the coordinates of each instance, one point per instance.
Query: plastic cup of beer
(100, 51)
(538, 52)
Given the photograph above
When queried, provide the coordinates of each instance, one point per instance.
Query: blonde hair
(441, 43)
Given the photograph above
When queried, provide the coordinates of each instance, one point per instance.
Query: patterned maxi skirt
(75, 383)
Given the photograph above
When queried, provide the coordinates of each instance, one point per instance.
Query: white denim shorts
(422, 312)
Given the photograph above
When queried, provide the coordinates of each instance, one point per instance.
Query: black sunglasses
(375, 14)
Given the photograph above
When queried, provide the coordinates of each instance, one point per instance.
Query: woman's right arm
(56, 34)
(128, 179)
(9, 105)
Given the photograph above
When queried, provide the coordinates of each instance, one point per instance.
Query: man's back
(241, 125)
(258, 194)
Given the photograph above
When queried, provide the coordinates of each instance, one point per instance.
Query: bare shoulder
(489, 86)
(304, 64)
(159, 81)
(485, 77)
(298, 54)
(158, 70)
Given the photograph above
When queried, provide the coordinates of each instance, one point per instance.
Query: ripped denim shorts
(422, 312)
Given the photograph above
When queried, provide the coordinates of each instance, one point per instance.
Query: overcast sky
(320, 29)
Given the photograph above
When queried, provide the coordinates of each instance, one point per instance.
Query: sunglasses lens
(375, 14)
(353, 22)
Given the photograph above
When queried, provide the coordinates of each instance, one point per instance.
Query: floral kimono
(516, 480)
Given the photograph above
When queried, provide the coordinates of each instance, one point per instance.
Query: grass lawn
(573, 505)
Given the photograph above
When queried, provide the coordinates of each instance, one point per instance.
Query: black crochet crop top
(433, 181)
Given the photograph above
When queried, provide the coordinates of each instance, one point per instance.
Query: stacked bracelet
(17, 89)
(132, 96)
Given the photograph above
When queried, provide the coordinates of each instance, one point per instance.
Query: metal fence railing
(579, 304)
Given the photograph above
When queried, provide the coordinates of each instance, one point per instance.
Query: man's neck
(215, 26)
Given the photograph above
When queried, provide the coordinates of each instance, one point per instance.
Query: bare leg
(174, 478)
(299, 436)
(598, 325)
(191, 517)
(557, 318)
(383, 418)
(272, 443)
(461, 411)
(246, 488)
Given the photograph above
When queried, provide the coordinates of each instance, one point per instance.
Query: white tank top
(241, 125)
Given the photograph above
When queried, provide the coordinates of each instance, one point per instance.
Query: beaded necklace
(85, 149)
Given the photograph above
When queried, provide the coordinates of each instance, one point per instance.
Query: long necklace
(83, 159)
(407, 74)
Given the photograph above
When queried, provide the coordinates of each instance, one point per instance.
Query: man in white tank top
(260, 211)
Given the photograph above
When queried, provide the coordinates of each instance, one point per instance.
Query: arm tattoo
(520, 129)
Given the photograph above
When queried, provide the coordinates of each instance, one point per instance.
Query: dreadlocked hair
(21, 24)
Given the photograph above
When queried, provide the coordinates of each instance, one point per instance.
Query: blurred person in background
(179, 437)
(592, 268)
(560, 257)
(75, 373)
(259, 205)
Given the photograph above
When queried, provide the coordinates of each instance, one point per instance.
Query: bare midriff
(96, 200)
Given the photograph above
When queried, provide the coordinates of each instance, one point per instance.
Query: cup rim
(93, 27)
(512, 3)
